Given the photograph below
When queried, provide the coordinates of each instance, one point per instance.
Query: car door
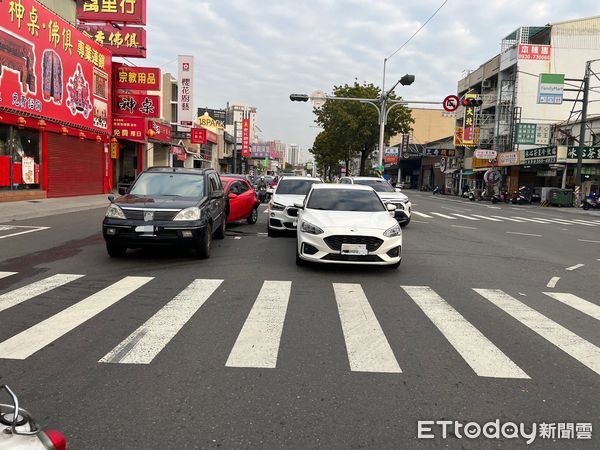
(235, 203)
(216, 205)
(247, 199)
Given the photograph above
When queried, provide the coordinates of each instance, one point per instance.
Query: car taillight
(55, 440)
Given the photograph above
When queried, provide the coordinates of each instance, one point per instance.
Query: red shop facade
(55, 114)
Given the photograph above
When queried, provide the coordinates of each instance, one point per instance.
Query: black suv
(166, 206)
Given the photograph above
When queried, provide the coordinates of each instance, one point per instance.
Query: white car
(282, 213)
(388, 194)
(347, 224)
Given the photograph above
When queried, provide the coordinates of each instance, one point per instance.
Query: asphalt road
(134, 353)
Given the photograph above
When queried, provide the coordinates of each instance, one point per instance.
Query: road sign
(451, 103)
(318, 98)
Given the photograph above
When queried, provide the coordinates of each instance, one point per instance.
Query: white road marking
(444, 216)
(583, 222)
(38, 336)
(257, 345)
(367, 347)
(485, 358)
(25, 293)
(578, 303)
(532, 220)
(237, 238)
(560, 221)
(587, 240)
(262, 234)
(7, 274)
(487, 218)
(575, 346)
(465, 217)
(24, 232)
(524, 234)
(575, 267)
(421, 214)
(552, 282)
(463, 226)
(508, 218)
(493, 207)
(145, 343)
(418, 221)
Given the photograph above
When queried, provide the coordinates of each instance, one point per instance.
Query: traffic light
(299, 97)
(477, 101)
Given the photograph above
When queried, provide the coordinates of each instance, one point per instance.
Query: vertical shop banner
(136, 78)
(185, 83)
(51, 69)
(124, 41)
(128, 11)
(137, 105)
(245, 138)
(468, 136)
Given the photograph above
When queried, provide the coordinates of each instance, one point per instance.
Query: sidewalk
(31, 209)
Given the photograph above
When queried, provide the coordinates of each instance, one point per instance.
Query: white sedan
(347, 224)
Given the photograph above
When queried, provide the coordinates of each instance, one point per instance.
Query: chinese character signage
(245, 138)
(508, 159)
(185, 83)
(261, 150)
(50, 69)
(440, 152)
(525, 133)
(136, 78)
(468, 135)
(162, 130)
(124, 41)
(543, 155)
(534, 51)
(128, 11)
(130, 128)
(390, 155)
(198, 136)
(550, 88)
(590, 154)
(137, 105)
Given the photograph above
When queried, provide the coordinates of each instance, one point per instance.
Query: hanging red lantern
(81, 135)
(41, 124)
(21, 122)
(64, 131)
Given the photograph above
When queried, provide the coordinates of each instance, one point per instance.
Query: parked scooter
(437, 190)
(592, 201)
(522, 196)
(502, 196)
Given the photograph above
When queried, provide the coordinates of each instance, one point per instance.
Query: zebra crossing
(450, 216)
(258, 343)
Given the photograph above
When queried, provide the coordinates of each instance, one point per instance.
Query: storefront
(54, 107)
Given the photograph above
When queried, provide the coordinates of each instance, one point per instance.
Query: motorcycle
(502, 196)
(262, 194)
(437, 190)
(522, 196)
(592, 201)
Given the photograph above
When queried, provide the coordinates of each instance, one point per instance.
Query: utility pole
(584, 106)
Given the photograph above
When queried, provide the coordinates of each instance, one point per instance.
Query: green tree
(327, 154)
(352, 127)
(288, 168)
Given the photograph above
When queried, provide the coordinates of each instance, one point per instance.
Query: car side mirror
(232, 195)
(391, 207)
(122, 191)
(216, 194)
(111, 198)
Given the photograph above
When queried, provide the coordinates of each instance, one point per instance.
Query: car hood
(159, 202)
(288, 199)
(398, 196)
(341, 220)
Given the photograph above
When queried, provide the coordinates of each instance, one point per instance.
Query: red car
(243, 203)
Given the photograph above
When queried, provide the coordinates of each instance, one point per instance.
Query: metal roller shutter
(74, 166)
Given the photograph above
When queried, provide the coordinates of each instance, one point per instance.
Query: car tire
(203, 248)
(394, 266)
(220, 233)
(253, 217)
(272, 233)
(115, 250)
(403, 224)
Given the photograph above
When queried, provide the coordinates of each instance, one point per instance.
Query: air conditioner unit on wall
(486, 84)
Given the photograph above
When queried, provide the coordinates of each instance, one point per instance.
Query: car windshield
(169, 184)
(345, 200)
(378, 185)
(295, 187)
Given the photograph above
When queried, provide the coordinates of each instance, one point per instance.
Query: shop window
(19, 158)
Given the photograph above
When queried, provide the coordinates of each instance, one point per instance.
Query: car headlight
(276, 206)
(309, 228)
(192, 213)
(393, 232)
(114, 212)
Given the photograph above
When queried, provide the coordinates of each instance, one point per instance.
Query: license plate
(354, 249)
(145, 229)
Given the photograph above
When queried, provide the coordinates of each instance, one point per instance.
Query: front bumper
(314, 248)
(403, 210)
(283, 220)
(128, 233)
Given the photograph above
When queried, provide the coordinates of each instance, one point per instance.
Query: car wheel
(115, 250)
(272, 233)
(220, 233)
(394, 266)
(203, 249)
(405, 223)
(253, 217)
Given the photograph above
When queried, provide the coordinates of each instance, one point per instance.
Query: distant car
(243, 202)
(281, 210)
(21, 432)
(347, 224)
(388, 194)
(167, 206)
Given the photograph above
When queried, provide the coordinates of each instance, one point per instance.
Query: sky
(258, 52)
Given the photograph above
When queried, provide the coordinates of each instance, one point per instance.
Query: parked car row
(357, 220)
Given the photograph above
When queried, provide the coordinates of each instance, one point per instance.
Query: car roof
(233, 175)
(366, 178)
(356, 187)
(301, 178)
(232, 178)
(166, 169)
